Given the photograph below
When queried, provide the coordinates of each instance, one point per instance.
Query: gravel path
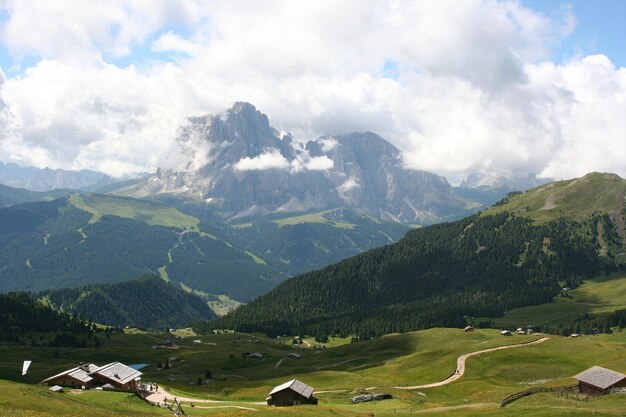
(460, 364)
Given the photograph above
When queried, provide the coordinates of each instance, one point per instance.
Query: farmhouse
(76, 377)
(118, 375)
(292, 392)
(598, 381)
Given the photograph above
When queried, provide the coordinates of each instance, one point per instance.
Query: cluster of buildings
(113, 376)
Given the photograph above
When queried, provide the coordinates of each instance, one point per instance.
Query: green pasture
(320, 217)
(345, 369)
(577, 199)
(141, 210)
(602, 294)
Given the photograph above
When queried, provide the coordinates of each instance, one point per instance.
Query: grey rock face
(240, 167)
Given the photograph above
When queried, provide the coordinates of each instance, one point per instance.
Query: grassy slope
(600, 295)
(19, 400)
(320, 217)
(399, 359)
(142, 210)
(576, 199)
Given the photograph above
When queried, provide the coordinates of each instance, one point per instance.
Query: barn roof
(600, 377)
(297, 386)
(77, 373)
(118, 372)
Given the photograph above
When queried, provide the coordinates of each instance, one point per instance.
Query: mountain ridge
(238, 166)
(479, 266)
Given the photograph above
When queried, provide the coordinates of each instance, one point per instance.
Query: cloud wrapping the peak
(458, 86)
(270, 159)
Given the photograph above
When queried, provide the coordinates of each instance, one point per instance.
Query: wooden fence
(530, 391)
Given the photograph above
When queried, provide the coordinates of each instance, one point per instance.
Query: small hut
(468, 329)
(505, 333)
(294, 356)
(599, 381)
(292, 392)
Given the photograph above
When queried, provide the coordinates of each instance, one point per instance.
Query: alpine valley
(242, 207)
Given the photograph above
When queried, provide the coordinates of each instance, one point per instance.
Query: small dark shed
(292, 392)
(599, 381)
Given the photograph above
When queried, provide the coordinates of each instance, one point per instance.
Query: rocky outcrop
(240, 167)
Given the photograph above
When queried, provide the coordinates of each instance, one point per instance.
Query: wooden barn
(118, 375)
(599, 381)
(292, 392)
(76, 377)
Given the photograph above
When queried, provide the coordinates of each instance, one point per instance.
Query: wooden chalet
(292, 392)
(76, 377)
(118, 375)
(599, 381)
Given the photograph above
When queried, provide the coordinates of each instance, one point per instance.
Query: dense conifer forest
(21, 314)
(483, 265)
(148, 302)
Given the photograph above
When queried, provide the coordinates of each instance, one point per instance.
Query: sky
(464, 86)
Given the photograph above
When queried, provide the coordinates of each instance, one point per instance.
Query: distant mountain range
(511, 182)
(239, 167)
(46, 179)
(518, 253)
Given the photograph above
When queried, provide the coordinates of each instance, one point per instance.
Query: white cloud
(270, 159)
(319, 163)
(327, 144)
(345, 189)
(473, 87)
(171, 42)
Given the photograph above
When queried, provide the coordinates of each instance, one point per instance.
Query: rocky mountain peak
(243, 167)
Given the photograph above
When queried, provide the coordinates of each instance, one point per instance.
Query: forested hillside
(101, 239)
(480, 266)
(148, 302)
(21, 314)
(10, 196)
(93, 238)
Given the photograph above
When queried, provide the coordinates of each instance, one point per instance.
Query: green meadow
(575, 199)
(338, 372)
(325, 217)
(602, 294)
(150, 212)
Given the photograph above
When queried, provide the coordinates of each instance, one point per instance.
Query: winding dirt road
(460, 364)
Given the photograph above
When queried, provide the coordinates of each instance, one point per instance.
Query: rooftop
(79, 373)
(600, 377)
(297, 386)
(118, 372)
